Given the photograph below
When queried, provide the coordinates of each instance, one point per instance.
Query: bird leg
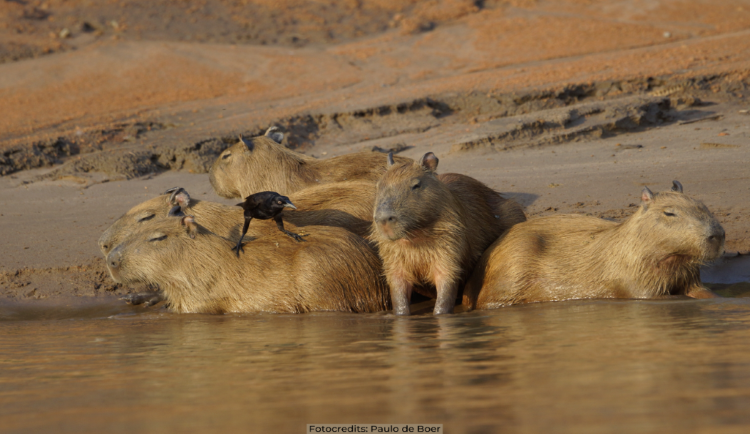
(280, 225)
(239, 245)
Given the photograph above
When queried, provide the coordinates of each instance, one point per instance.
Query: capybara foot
(145, 298)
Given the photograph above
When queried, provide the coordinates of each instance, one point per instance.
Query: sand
(568, 106)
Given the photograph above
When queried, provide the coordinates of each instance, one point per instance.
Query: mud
(87, 280)
(536, 118)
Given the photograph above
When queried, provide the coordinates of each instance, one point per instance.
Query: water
(585, 366)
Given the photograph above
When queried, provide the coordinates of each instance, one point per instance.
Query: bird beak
(240, 204)
(289, 205)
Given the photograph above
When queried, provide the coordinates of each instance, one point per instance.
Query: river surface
(596, 366)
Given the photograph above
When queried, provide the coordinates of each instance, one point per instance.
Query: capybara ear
(249, 143)
(429, 161)
(390, 159)
(676, 186)
(180, 197)
(274, 134)
(189, 222)
(646, 196)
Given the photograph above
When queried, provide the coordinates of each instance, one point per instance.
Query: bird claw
(297, 237)
(239, 248)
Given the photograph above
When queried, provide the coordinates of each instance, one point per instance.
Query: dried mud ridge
(509, 121)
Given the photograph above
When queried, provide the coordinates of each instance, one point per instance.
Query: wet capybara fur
(431, 230)
(261, 164)
(333, 270)
(655, 252)
(347, 205)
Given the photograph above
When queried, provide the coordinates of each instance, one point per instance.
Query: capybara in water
(347, 205)
(197, 271)
(656, 251)
(262, 164)
(431, 230)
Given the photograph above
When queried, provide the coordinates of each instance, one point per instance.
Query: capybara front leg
(401, 296)
(144, 298)
(447, 290)
(697, 291)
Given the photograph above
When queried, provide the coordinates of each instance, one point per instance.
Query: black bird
(263, 206)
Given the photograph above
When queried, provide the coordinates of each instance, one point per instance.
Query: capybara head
(171, 203)
(148, 255)
(409, 197)
(679, 227)
(249, 160)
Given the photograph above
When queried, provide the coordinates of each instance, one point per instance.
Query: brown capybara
(431, 230)
(343, 204)
(333, 270)
(657, 251)
(261, 164)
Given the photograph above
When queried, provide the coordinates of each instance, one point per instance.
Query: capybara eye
(226, 156)
(669, 214)
(416, 185)
(158, 238)
(148, 217)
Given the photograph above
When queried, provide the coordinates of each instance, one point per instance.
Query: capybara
(197, 271)
(261, 164)
(657, 251)
(431, 230)
(347, 205)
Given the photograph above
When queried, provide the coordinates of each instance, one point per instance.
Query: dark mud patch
(130, 163)
(88, 280)
(14, 51)
(582, 122)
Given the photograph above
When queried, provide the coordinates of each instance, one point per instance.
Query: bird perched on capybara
(656, 251)
(343, 204)
(431, 230)
(334, 270)
(263, 206)
(261, 164)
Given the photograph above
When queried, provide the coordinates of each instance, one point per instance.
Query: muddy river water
(676, 365)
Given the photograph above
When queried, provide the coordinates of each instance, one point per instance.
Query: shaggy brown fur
(431, 230)
(334, 270)
(261, 164)
(655, 252)
(346, 205)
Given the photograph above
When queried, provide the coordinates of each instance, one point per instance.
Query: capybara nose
(385, 215)
(717, 235)
(385, 219)
(114, 259)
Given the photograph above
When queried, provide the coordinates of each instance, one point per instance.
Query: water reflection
(642, 366)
